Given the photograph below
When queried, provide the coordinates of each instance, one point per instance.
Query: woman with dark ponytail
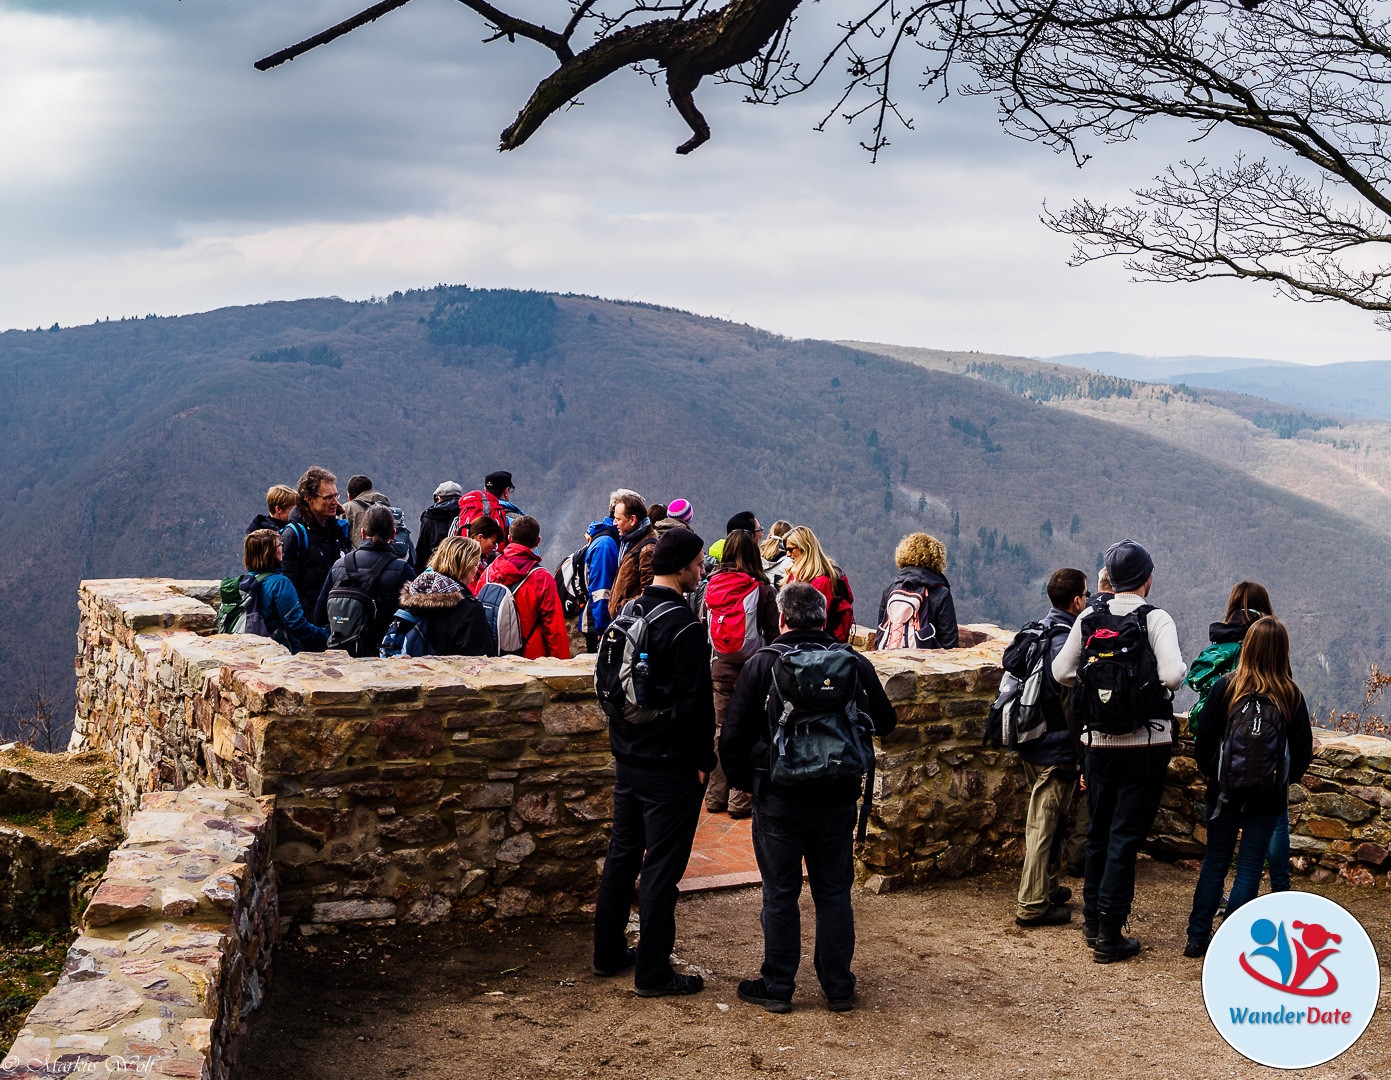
(1262, 677)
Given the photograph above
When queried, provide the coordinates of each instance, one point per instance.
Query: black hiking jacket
(308, 565)
(434, 527)
(1299, 733)
(747, 733)
(385, 592)
(679, 656)
(941, 610)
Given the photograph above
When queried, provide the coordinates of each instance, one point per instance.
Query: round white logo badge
(1291, 980)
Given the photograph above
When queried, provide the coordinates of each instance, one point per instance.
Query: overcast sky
(147, 167)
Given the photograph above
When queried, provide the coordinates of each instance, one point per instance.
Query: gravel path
(948, 987)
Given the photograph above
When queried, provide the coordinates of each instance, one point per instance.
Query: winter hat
(449, 488)
(1129, 565)
(675, 551)
(399, 516)
(681, 510)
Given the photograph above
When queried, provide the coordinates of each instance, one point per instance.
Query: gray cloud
(157, 171)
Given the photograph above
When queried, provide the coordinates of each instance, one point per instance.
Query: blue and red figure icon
(1296, 960)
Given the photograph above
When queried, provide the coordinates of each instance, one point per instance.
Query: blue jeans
(1222, 831)
(1278, 857)
(655, 812)
(822, 831)
(1123, 791)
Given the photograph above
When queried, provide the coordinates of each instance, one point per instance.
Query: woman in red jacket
(741, 611)
(539, 614)
(812, 565)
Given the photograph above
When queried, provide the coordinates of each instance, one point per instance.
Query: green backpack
(1207, 667)
(233, 604)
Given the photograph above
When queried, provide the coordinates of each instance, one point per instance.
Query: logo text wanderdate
(1285, 1016)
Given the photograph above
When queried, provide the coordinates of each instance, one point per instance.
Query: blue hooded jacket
(600, 568)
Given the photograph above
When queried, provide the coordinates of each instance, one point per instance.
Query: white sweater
(1172, 669)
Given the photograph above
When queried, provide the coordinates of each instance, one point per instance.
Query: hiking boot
(679, 985)
(756, 992)
(1089, 932)
(1195, 950)
(844, 1004)
(1061, 895)
(630, 957)
(1111, 942)
(1056, 915)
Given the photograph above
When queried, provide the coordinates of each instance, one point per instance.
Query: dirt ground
(948, 986)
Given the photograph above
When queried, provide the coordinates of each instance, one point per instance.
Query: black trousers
(1124, 787)
(654, 822)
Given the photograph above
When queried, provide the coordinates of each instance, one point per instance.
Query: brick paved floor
(722, 855)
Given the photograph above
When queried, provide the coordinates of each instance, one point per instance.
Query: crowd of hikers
(728, 681)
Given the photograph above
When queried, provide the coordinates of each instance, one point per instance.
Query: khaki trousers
(1050, 792)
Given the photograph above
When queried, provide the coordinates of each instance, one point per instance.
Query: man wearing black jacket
(790, 825)
(314, 537)
(659, 782)
(435, 523)
(1051, 770)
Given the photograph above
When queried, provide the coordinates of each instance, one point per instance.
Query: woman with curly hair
(916, 610)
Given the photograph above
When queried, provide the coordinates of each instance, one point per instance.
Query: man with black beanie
(1125, 772)
(660, 769)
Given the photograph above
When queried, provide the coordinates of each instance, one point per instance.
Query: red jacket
(840, 610)
(539, 614)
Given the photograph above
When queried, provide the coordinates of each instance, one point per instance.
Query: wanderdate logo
(1291, 980)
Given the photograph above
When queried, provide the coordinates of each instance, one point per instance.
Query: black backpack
(352, 608)
(622, 674)
(819, 734)
(1254, 759)
(1118, 688)
(571, 583)
(1019, 715)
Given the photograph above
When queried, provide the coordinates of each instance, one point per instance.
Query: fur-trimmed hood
(921, 549)
(431, 591)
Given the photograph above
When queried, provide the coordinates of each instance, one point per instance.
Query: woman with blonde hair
(776, 561)
(1251, 809)
(456, 624)
(916, 610)
(813, 567)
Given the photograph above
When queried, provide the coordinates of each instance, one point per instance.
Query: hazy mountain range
(143, 447)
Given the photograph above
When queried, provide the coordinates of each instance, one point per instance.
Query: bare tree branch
(362, 18)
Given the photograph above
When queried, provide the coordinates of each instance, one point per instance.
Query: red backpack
(732, 601)
(477, 504)
(840, 613)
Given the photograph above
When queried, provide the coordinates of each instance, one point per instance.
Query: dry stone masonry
(174, 949)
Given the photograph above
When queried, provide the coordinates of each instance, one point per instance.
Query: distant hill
(1352, 389)
(143, 447)
(1156, 368)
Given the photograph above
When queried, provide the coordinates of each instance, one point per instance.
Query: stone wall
(1340, 815)
(411, 789)
(174, 949)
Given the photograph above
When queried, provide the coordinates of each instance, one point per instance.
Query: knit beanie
(681, 510)
(675, 551)
(1129, 565)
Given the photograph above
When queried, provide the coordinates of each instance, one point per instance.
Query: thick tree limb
(689, 50)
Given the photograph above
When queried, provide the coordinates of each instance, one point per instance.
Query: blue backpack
(405, 636)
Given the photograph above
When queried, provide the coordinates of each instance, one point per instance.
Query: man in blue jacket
(1051, 771)
(600, 566)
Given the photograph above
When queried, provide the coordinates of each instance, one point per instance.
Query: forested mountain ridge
(143, 447)
(1342, 462)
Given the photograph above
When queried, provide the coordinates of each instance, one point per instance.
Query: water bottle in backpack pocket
(623, 674)
(1253, 762)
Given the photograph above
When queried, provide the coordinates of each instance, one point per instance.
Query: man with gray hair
(435, 522)
(815, 822)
